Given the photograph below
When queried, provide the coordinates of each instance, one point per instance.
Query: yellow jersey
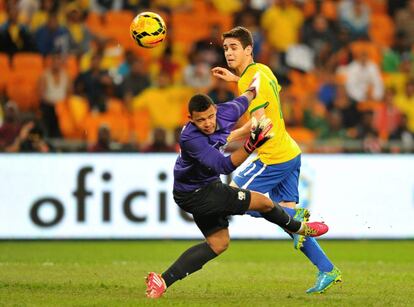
(281, 147)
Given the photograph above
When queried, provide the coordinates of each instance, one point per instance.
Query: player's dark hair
(243, 35)
(199, 103)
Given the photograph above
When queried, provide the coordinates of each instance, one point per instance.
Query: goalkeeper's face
(205, 121)
(236, 56)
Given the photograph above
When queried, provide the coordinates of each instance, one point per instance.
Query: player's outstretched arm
(243, 132)
(240, 133)
(224, 74)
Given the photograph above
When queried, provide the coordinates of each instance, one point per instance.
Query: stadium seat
(22, 87)
(309, 8)
(302, 84)
(120, 128)
(79, 109)
(382, 30)
(297, 91)
(183, 33)
(5, 70)
(27, 61)
(301, 134)
(95, 22)
(145, 54)
(66, 124)
(4, 61)
(91, 126)
(311, 82)
(116, 107)
(119, 35)
(365, 106)
(140, 125)
(92, 123)
(327, 9)
(295, 77)
(119, 18)
(116, 118)
(201, 7)
(373, 51)
(71, 114)
(377, 6)
(224, 20)
(71, 65)
(3, 17)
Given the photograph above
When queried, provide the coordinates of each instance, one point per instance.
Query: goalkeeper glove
(259, 134)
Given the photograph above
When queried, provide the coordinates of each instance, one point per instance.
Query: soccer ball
(148, 29)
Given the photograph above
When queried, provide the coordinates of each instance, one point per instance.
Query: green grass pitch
(250, 273)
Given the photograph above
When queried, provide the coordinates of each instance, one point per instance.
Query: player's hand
(259, 134)
(224, 74)
(25, 130)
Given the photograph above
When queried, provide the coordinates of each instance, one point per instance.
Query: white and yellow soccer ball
(148, 29)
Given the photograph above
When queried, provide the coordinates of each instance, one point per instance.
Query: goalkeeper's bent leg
(272, 212)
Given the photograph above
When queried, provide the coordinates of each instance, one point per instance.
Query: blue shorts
(279, 180)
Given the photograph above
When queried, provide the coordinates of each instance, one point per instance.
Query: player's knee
(265, 205)
(268, 206)
(219, 241)
(220, 246)
(260, 202)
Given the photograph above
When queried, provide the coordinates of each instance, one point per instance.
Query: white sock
(302, 226)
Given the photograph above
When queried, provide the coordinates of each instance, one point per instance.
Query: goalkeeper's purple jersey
(201, 160)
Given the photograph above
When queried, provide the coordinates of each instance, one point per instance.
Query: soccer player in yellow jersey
(276, 171)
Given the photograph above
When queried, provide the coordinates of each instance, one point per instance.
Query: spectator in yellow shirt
(405, 102)
(165, 102)
(282, 22)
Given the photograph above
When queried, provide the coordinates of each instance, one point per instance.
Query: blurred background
(73, 81)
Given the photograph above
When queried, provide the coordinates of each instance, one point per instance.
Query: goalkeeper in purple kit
(199, 191)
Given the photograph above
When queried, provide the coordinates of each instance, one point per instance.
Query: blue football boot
(326, 280)
(301, 215)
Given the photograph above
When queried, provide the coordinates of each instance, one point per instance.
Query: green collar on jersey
(247, 68)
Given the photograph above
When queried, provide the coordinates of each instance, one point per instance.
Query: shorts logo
(242, 195)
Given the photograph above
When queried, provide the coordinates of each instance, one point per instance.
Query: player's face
(235, 54)
(206, 120)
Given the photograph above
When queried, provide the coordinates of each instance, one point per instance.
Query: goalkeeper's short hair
(199, 103)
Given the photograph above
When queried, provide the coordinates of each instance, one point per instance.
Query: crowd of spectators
(71, 78)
